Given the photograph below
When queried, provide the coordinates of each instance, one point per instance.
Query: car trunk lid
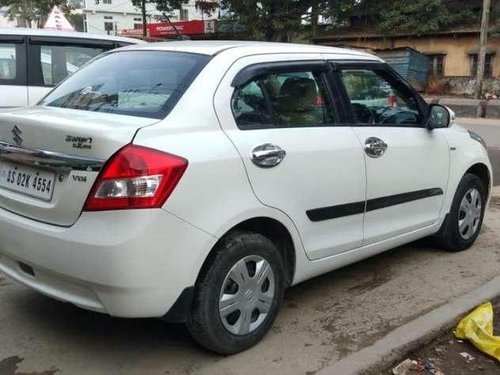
(50, 158)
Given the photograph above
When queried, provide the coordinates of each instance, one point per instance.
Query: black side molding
(334, 212)
(356, 208)
(393, 200)
(181, 310)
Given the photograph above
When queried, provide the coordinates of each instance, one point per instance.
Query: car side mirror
(439, 117)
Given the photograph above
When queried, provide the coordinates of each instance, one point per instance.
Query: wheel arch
(479, 169)
(271, 228)
(482, 171)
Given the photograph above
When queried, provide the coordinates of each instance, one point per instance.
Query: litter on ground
(477, 327)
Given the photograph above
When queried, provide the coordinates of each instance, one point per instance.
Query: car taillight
(136, 177)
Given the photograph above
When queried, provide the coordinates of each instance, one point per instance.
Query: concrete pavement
(489, 129)
(411, 336)
(478, 121)
(466, 107)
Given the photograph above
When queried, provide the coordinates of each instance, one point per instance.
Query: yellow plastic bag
(477, 327)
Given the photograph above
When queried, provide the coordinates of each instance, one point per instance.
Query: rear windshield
(135, 83)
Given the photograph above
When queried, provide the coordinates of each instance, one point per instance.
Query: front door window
(377, 99)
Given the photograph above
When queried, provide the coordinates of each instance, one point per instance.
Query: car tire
(463, 223)
(232, 309)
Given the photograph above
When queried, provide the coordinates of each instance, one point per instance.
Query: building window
(184, 14)
(108, 27)
(137, 23)
(488, 65)
(106, 1)
(436, 65)
(108, 24)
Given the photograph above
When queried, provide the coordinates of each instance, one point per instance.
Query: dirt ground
(444, 354)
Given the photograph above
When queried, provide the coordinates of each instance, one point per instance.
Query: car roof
(66, 34)
(215, 47)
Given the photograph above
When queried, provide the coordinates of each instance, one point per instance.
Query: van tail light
(136, 177)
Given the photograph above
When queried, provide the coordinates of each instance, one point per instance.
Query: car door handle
(375, 147)
(267, 155)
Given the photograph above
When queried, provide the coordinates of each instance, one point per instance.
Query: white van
(33, 61)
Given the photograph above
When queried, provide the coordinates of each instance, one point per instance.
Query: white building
(4, 20)
(112, 16)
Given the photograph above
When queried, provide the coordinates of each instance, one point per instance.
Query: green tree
(272, 20)
(400, 16)
(164, 6)
(421, 16)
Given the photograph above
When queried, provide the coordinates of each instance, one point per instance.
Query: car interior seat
(296, 103)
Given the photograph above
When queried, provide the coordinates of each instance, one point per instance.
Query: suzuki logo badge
(16, 135)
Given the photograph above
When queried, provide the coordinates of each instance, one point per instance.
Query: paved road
(321, 321)
(489, 129)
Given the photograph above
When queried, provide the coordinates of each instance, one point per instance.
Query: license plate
(26, 180)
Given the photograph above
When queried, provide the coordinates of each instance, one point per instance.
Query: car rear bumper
(132, 263)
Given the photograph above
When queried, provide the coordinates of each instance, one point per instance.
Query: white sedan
(195, 181)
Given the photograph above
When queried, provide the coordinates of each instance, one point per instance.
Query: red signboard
(167, 29)
(132, 32)
(183, 28)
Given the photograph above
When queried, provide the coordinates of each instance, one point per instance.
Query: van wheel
(465, 219)
(238, 294)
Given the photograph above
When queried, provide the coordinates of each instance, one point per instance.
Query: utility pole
(144, 21)
(314, 18)
(481, 59)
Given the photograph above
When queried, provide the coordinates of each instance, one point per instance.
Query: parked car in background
(33, 61)
(195, 181)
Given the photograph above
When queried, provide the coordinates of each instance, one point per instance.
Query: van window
(60, 61)
(135, 83)
(8, 58)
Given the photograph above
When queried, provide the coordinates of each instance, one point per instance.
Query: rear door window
(135, 83)
(287, 99)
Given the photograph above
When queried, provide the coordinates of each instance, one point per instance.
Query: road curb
(478, 121)
(465, 107)
(412, 335)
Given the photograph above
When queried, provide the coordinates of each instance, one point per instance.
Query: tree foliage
(275, 20)
(166, 7)
(420, 16)
(278, 20)
(271, 20)
(32, 13)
